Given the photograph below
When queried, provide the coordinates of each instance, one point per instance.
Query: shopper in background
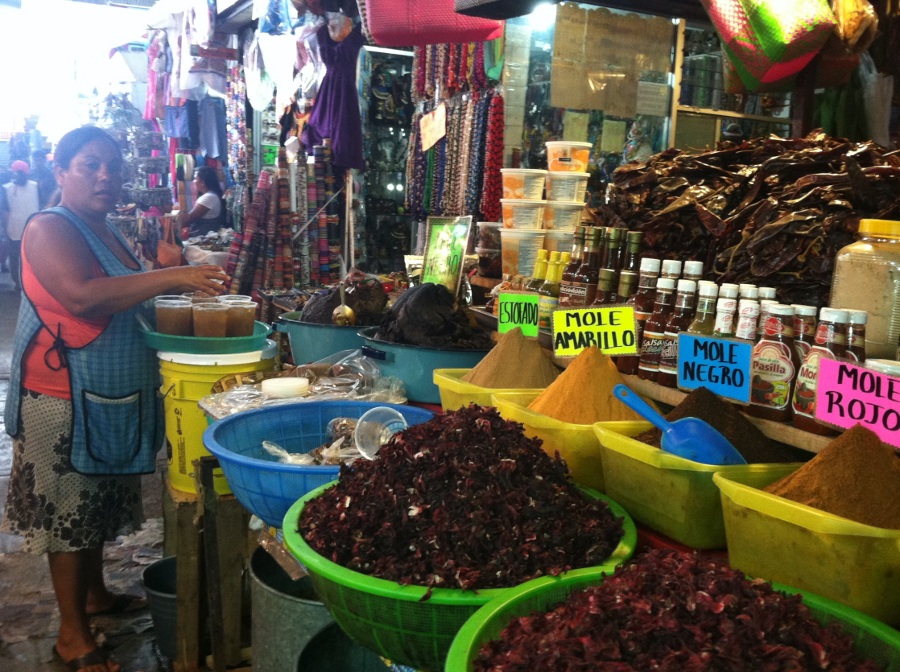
(82, 406)
(208, 213)
(23, 200)
(5, 176)
(43, 175)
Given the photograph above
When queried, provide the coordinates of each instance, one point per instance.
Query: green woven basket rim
(321, 566)
(474, 632)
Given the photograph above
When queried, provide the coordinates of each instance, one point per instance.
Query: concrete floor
(29, 619)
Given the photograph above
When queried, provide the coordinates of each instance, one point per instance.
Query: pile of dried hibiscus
(772, 211)
(672, 612)
(464, 500)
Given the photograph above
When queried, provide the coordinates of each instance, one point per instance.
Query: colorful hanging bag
(406, 23)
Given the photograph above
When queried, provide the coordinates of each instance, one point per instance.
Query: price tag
(518, 310)
(722, 365)
(433, 126)
(610, 328)
(848, 394)
(445, 248)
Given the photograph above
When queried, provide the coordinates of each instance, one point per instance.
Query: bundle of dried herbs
(673, 612)
(464, 500)
(770, 210)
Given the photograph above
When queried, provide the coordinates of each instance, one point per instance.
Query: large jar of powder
(867, 277)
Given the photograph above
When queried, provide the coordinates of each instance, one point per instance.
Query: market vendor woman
(208, 213)
(82, 406)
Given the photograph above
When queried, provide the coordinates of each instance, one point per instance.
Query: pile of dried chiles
(464, 500)
(673, 612)
(773, 209)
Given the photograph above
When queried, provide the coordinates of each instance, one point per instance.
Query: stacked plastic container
(566, 185)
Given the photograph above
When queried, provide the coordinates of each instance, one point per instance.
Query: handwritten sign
(433, 126)
(445, 248)
(848, 394)
(610, 328)
(518, 310)
(721, 365)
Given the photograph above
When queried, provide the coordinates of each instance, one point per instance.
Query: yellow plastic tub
(578, 445)
(669, 494)
(457, 393)
(774, 538)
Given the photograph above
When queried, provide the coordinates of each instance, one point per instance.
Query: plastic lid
(566, 174)
(687, 286)
(490, 224)
(804, 310)
(708, 289)
(693, 268)
(649, 264)
(838, 315)
(879, 227)
(671, 267)
(533, 171)
(766, 292)
(748, 291)
(858, 316)
(665, 283)
(554, 257)
(728, 290)
(780, 309)
(889, 366)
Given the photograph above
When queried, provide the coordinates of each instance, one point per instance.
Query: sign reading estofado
(518, 310)
(610, 328)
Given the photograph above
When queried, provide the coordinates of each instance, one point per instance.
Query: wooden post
(803, 100)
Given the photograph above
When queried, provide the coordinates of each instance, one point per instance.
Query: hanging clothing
(335, 114)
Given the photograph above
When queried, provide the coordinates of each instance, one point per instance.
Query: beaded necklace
(469, 143)
(493, 159)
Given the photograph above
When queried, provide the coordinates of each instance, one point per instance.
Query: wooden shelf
(709, 112)
(778, 431)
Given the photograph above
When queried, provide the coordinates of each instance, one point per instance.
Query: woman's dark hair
(73, 142)
(210, 178)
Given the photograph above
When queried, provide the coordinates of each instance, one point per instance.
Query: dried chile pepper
(464, 500)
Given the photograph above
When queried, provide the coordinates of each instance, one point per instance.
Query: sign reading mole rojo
(610, 328)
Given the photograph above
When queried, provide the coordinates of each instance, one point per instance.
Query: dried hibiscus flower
(673, 612)
(464, 500)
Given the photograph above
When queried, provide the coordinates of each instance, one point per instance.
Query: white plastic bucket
(572, 157)
(522, 213)
(526, 183)
(566, 186)
(519, 250)
(564, 215)
(559, 240)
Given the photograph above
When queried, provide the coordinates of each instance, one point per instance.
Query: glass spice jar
(867, 277)
(804, 328)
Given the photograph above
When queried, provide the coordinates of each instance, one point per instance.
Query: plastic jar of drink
(867, 277)
(173, 315)
(241, 317)
(210, 319)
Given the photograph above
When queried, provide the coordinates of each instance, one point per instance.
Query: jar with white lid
(867, 277)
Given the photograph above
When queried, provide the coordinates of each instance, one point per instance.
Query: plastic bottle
(774, 366)
(693, 270)
(856, 336)
(867, 277)
(632, 258)
(642, 302)
(830, 342)
(539, 273)
(747, 317)
(581, 289)
(671, 268)
(726, 308)
(680, 319)
(654, 329)
(548, 293)
(804, 328)
(705, 318)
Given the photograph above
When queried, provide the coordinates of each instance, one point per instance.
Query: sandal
(92, 658)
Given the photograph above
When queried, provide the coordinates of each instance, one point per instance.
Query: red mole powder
(856, 476)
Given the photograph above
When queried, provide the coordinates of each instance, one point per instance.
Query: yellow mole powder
(515, 363)
(582, 395)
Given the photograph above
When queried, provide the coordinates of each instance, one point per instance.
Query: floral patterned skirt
(52, 506)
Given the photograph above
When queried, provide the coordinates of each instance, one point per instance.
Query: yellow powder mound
(856, 476)
(515, 363)
(582, 394)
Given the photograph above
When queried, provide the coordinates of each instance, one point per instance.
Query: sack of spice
(582, 395)
(750, 442)
(856, 476)
(515, 363)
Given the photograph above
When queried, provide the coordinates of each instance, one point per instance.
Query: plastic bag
(274, 16)
(878, 89)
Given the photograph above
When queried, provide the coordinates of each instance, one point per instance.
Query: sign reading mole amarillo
(610, 328)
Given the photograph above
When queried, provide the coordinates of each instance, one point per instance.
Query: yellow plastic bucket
(186, 379)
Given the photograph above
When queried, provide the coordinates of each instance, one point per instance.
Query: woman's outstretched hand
(205, 278)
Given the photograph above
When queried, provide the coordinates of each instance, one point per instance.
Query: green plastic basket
(393, 619)
(872, 639)
(200, 345)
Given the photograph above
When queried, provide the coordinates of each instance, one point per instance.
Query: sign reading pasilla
(610, 328)
(721, 365)
(518, 310)
(848, 394)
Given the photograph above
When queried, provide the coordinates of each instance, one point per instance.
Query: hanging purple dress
(335, 114)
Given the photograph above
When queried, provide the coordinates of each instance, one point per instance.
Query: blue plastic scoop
(690, 438)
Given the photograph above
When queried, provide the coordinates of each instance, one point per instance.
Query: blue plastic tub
(415, 365)
(265, 486)
(312, 342)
